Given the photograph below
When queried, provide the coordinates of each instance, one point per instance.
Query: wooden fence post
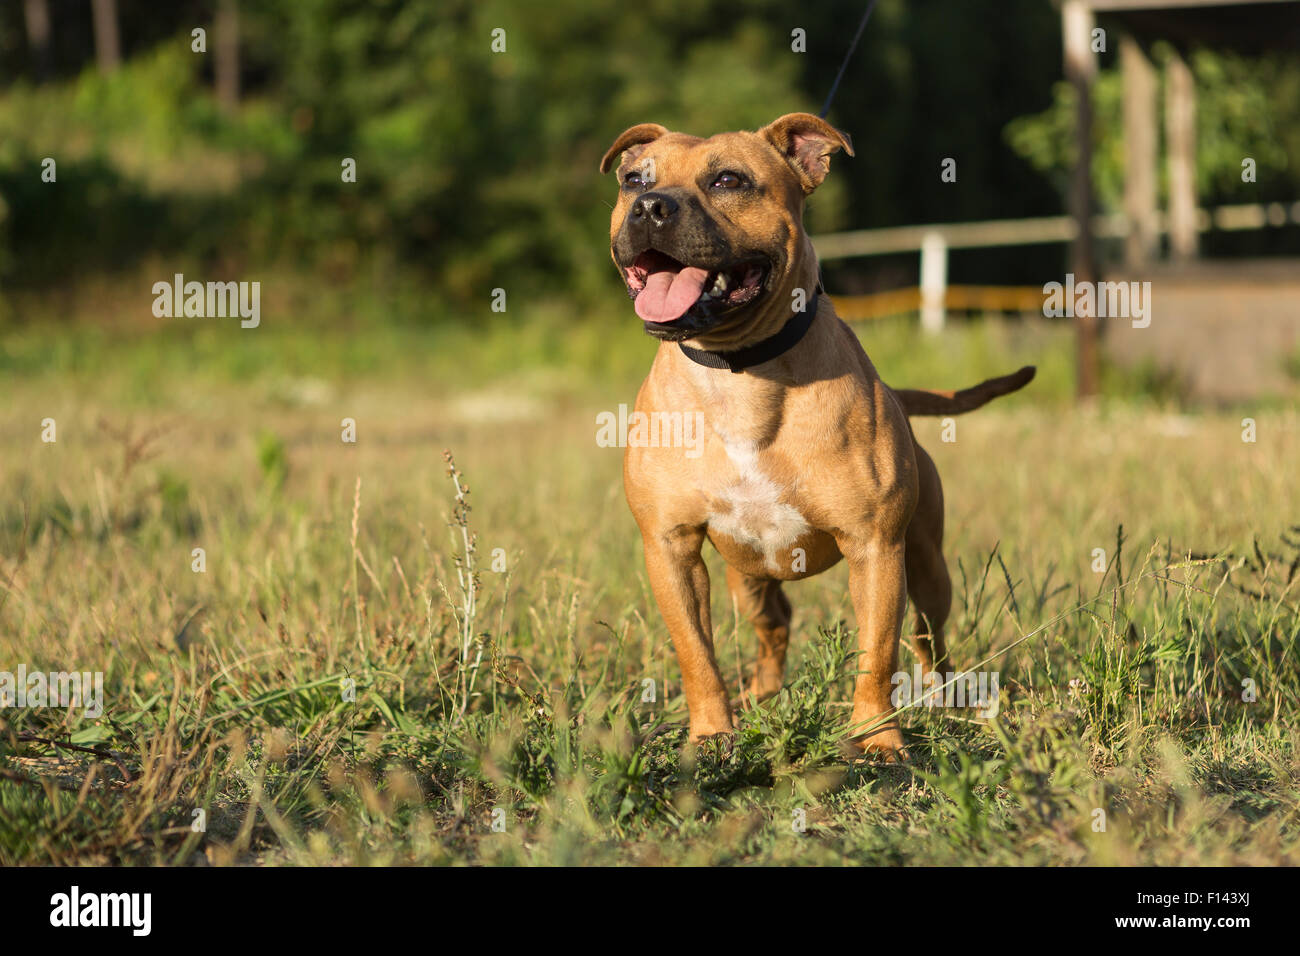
(1180, 122)
(1077, 23)
(1140, 156)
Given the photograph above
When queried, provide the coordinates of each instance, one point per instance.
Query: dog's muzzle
(681, 273)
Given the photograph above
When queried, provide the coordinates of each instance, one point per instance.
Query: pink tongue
(668, 295)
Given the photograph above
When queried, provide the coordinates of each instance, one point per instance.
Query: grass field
(500, 708)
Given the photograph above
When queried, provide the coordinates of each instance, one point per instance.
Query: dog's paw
(883, 754)
(721, 743)
(878, 749)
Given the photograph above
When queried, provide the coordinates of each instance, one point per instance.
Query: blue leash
(826, 107)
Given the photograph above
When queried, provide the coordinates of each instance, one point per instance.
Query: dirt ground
(1223, 332)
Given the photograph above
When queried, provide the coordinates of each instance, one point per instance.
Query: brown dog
(807, 456)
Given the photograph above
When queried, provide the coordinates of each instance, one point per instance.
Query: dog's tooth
(720, 283)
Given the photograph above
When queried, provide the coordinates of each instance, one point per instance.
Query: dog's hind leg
(928, 584)
(762, 602)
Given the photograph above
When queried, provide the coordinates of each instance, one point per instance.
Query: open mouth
(665, 290)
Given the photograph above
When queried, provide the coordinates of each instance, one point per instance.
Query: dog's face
(708, 233)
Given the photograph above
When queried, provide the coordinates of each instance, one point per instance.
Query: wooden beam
(1030, 232)
(1106, 6)
(956, 235)
(1180, 135)
(1140, 153)
(36, 13)
(226, 64)
(1027, 300)
(108, 48)
(1077, 24)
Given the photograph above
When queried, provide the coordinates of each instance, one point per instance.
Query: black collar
(758, 353)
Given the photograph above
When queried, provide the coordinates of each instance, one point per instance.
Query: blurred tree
(108, 50)
(36, 14)
(481, 162)
(226, 65)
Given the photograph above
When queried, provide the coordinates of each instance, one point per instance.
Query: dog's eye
(728, 180)
(634, 179)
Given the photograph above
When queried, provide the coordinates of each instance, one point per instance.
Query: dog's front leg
(878, 584)
(680, 582)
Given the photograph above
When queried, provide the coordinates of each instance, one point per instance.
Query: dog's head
(708, 233)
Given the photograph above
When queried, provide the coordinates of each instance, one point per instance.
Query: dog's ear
(637, 135)
(806, 142)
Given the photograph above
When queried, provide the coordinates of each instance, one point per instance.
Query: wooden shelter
(1247, 26)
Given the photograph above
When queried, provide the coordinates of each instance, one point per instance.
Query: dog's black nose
(655, 208)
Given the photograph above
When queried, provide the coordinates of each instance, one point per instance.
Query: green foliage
(173, 495)
(479, 166)
(272, 459)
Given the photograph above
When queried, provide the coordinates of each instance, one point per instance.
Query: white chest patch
(750, 510)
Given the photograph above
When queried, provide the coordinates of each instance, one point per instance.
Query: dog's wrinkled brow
(716, 162)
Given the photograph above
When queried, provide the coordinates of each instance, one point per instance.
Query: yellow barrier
(957, 298)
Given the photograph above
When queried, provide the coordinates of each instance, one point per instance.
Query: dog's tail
(918, 401)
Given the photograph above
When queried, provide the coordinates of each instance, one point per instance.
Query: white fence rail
(934, 241)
